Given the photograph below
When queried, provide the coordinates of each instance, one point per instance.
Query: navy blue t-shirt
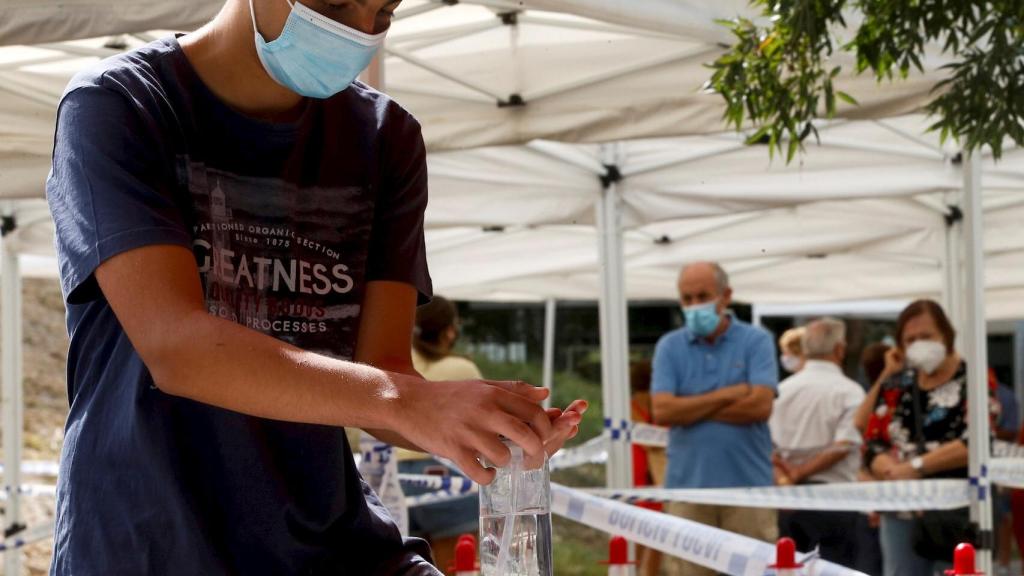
(288, 222)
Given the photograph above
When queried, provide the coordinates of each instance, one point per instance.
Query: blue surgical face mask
(315, 56)
(702, 319)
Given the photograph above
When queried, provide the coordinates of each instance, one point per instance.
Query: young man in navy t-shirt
(240, 235)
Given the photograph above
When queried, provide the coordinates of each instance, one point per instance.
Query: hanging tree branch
(778, 77)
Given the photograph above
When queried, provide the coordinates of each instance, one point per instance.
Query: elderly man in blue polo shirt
(714, 382)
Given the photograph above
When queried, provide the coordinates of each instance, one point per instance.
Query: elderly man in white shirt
(816, 440)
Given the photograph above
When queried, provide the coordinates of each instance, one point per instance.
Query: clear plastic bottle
(515, 519)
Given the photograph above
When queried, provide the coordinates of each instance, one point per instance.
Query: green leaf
(847, 98)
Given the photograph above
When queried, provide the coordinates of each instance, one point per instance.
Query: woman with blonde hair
(791, 350)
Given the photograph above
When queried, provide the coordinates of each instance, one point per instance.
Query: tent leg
(977, 360)
(548, 378)
(11, 398)
(953, 273)
(614, 326)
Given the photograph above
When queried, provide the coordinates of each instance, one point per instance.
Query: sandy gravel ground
(46, 404)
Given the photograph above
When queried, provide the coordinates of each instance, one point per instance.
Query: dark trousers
(835, 534)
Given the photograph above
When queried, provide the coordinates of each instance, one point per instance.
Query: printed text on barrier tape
(714, 548)
(903, 495)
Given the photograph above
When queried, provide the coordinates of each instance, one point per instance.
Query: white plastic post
(953, 276)
(11, 398)
(548, 376)
(975, 345)
(614, 326)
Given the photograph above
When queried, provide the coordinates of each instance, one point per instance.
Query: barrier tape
(720, 550)
(895, 496)
(37, 468)
(618, 431)
(593, 451)
(1004, 449)
(451, 484)
(1006, 472)
(439, 496)
(31, 490)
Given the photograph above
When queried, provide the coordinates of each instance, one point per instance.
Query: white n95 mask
(926, 355)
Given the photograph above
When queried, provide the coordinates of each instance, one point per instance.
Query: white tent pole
(977, 363)
(614, 326)
(11, 398)
(548, 378)
(952, 272)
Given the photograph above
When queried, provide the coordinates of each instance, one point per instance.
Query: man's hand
(565, 425)
(784, 473)
(463, 420)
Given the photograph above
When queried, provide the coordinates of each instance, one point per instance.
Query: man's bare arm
(156, 294)
(385, 339)
(671, 410)
(822, 461)
(754, 407)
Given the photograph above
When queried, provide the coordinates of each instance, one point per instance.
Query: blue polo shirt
(713, 454)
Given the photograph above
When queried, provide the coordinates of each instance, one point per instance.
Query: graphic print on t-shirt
(274, 257)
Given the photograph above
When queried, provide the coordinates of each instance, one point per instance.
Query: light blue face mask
(702, 319)
(315, 56)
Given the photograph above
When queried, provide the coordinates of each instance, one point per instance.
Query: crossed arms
(736, 404)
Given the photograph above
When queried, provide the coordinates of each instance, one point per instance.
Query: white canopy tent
(864, 215)
(873, 200)
(472, 74)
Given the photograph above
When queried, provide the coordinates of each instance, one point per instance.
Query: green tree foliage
(778, 74)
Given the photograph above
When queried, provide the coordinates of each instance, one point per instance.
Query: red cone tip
(785, 555)
(468, 537)
(465, 555)
(618, 551)
(963, 562)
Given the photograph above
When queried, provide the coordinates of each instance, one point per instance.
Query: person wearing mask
(816, 441)
(713, 382)
(921, 409)
(791, 356)
(239, 229)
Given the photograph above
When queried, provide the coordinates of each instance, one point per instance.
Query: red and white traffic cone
(465, 556)
(785, 558)
(963, 562)
(618, 558)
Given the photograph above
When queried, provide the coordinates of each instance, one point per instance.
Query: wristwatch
(917, 463)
